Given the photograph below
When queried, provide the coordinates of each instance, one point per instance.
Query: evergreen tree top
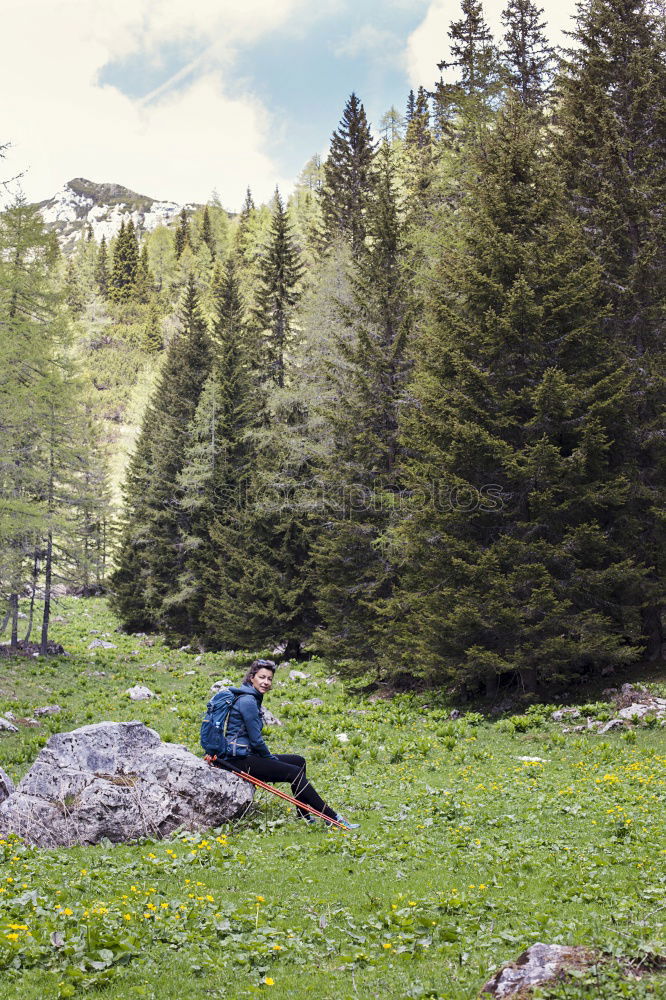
(472, 49)
(348, 176)
(527, 57)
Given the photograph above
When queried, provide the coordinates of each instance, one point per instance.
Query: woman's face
(262, 680)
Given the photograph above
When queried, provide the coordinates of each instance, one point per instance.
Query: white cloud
(370, 40)
(428, 44)
(192, 134)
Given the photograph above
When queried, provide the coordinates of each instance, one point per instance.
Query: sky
(177, 99)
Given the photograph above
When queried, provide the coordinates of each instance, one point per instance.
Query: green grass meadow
(466, 854)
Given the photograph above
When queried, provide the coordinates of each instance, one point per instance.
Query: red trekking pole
(276, 791)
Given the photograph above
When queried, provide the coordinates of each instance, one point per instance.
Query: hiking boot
(345, 822)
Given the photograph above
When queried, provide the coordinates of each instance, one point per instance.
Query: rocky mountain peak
(81, 203)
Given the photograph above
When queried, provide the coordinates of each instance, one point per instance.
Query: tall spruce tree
(279, 272)
(150, 557)
(612, 120)
(265, 575)
(348, 177)
(152, 340)
(352, 571)
(460, 105)
(510, 556)
(102, 269)
(182, 237)
(419, 154)
(411, 107)
(125, 263)
(143, 284)
(215, 475)
(526, 56)
(207, 232)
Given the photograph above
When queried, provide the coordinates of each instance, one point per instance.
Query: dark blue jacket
(244, 724)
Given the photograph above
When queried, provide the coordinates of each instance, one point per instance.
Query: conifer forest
(409, 418)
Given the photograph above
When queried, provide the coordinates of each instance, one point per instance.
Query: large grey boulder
(6, 785)
(118, 780)
(539, 964)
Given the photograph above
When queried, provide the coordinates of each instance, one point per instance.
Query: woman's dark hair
(255, 667)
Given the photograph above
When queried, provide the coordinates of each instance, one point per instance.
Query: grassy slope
(465, 855)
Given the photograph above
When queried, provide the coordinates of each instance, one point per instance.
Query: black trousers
(283, 767)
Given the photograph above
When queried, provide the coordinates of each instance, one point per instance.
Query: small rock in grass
(184, 649)
(58, 620)
(613, 724)
(539, 964)
(331, 680)
(454, 713)
(139, 635)
(561, 713)
(269, 719)
(534, 760)
(189, 673)
(101, 644)
(218, 685)
(7, 727)
(140, 693)
(342, 738)
(315, 702)
(198, 659)
(47, 710)
(636, 709)
(298, 675)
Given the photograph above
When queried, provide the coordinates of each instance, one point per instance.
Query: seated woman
(249, 753)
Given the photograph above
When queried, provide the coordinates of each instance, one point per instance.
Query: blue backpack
(215, 721)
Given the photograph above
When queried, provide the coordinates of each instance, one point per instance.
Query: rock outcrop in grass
(119, 781)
